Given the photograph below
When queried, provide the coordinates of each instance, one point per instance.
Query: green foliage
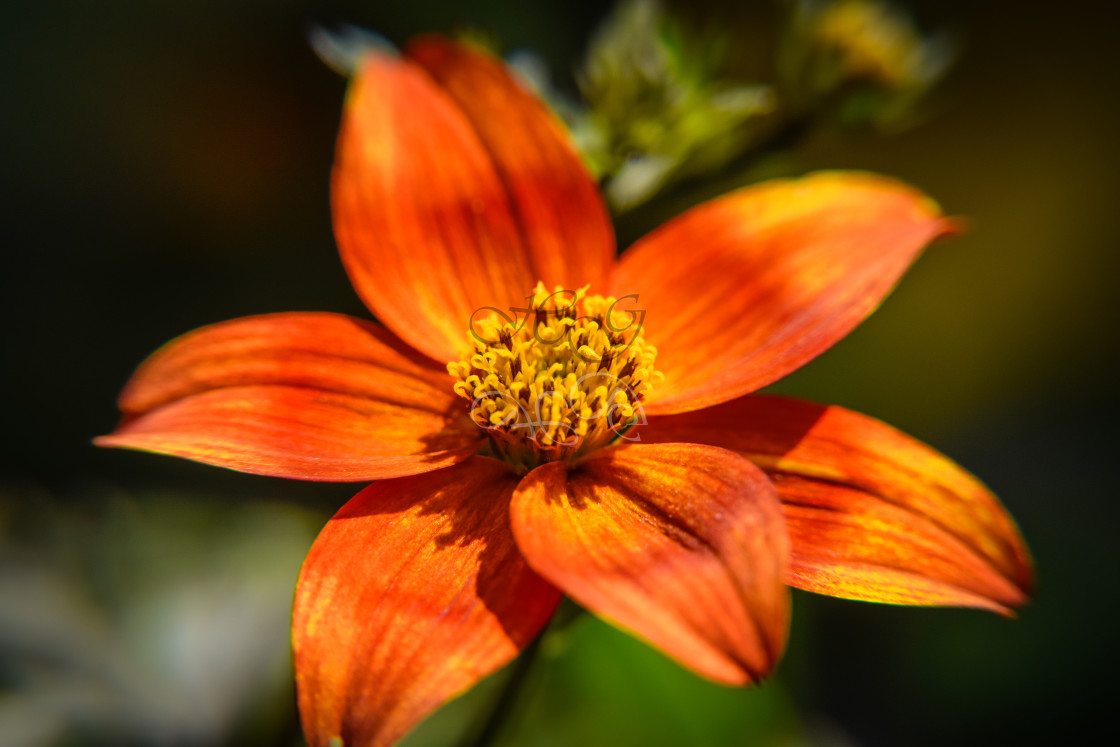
(661, 105)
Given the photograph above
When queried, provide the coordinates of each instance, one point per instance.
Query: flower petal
(303, 395)
(561, 213)
(872, 513)
(680, 543)
(413, 592)
(744, 289)
(423, 221)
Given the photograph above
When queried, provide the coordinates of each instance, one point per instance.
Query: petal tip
(343, 49)
(114, 440)
(954, 225)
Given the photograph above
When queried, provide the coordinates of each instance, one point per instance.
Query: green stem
(503, 704)
(681, 195)
(566, 614)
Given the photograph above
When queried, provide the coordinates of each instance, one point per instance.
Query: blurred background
(166, 166)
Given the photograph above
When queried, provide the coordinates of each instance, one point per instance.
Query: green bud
(860, 62)
(657, 106)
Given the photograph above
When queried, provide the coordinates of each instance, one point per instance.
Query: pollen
(555, 380)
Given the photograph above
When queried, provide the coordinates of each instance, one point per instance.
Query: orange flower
(522, 475)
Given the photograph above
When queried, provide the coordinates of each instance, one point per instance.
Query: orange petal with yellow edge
(312, 396)
(742, 290)
(413, 592)
(872, 513)
(682, 544)
(561, 213)
(423, 220)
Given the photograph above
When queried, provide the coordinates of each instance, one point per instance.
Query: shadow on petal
(413, 592)
(872, 513)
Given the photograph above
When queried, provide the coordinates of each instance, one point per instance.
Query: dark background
(166, 165)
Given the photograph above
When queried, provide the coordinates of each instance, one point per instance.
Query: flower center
(558, 379)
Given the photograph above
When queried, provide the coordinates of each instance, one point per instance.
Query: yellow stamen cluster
(557, 379)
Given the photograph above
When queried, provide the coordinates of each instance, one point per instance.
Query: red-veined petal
(413, 592)
(423, 220)
(562, 216)
(312, 396)
(744, 289)
(680, 543)
(872, 513)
